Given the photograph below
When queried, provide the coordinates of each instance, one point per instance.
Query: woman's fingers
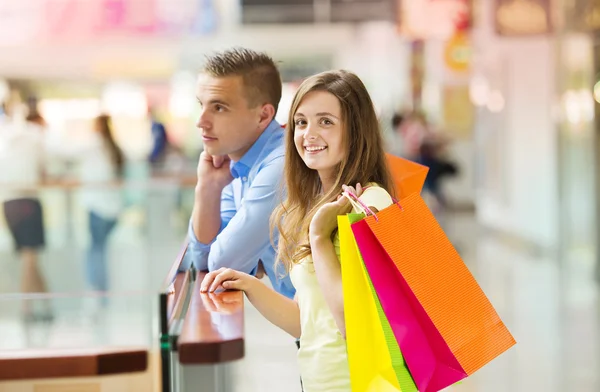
(223, 276)
(232, 285)
(209, 279)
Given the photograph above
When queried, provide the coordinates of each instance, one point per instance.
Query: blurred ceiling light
(578, 106)
(183, 92)
(479, 91)
(4, 90)
(58, 111)
(287, 96)
(124, 99)
(495, 103)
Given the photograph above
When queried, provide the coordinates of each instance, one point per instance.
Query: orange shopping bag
(446, 296)
(408, 176)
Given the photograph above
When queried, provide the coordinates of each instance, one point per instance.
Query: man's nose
(203, 120)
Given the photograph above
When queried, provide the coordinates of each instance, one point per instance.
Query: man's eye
(219, 108)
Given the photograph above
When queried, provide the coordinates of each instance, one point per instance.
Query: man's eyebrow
(215, 101)
(218, 101)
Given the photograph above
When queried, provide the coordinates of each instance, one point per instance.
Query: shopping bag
(374, 357)
(408, 176)
(446, 327)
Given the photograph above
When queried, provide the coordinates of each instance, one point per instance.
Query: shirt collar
(242, 167)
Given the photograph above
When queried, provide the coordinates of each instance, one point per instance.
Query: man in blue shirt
(241, 168)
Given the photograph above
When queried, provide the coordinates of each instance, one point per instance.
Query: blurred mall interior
(513, 87)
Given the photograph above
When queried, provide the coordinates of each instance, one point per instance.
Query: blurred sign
(20, 21)
(522, 17)
(458, 111)
(582, 15)
(457, 52)
(314, 11)
(77, 21)
(433, 19)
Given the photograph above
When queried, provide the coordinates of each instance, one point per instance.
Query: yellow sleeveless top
(322, 356)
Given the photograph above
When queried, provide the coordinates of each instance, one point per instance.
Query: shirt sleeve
(197, 251)
(245, 233)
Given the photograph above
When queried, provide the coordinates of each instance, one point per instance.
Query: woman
(333, 140)
(22, 152)
(101, 165)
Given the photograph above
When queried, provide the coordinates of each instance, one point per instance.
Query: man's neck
(238, 155)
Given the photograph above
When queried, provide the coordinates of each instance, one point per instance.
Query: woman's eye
(326, 121)
(300, 123)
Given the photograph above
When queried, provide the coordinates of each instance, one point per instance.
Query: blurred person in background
(22, 152)
(101, 166)
(411, 130)
(159, 139)
(33, 115)
(100, 163)
(422, 144)
(439, 168)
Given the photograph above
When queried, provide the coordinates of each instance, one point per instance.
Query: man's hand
(260, 270)
(213, 171)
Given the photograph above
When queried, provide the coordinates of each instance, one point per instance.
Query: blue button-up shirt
(246, 206)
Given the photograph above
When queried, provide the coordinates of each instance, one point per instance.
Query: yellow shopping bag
(375, 361)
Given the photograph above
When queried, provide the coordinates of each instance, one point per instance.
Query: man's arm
(198, 251)
(213, 176)
(246, 236)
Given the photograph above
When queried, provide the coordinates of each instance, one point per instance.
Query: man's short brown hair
(262, 81)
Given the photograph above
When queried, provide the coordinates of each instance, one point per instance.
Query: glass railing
(139, 249)
(200, 340)
(55, 339)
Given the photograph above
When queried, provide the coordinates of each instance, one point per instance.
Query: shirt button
(244, 179)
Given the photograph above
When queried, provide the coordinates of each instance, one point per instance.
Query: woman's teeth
(313, 149)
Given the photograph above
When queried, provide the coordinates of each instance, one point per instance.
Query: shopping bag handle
(360, 205)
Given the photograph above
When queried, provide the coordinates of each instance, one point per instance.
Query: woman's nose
(310, 133)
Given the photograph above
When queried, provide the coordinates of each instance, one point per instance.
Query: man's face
(228, 124)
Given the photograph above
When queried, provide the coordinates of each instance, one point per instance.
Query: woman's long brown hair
(364, 162)
(104, 126)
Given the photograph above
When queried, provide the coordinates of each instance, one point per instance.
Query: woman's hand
(225, 302)
(325, 220)
(226, 278)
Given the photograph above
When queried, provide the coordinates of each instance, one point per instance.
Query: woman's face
(318, 132)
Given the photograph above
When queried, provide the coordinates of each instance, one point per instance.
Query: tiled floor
(551, 306)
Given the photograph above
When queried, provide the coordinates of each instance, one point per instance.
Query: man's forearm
(206, 216)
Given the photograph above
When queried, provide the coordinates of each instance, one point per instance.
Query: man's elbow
(230, 262)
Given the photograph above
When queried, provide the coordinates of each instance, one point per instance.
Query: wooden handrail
(213, 328)
(63, 363)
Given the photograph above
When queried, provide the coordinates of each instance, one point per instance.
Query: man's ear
(267, 114)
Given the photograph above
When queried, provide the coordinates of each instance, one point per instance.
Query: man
(241, 167)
